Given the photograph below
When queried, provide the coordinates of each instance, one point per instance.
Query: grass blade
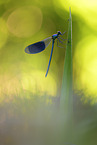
(66, 101)
(66, 91)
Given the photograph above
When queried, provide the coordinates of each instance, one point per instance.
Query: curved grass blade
(66, 102)
(66, 91)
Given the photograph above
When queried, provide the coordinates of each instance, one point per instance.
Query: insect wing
(38, 46)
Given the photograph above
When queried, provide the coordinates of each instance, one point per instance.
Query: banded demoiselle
(41, 45)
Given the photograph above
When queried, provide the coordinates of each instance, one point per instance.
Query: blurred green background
(29, 102)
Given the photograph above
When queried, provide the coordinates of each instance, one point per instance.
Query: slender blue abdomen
(50, 58)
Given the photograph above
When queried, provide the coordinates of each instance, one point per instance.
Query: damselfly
(41, 45)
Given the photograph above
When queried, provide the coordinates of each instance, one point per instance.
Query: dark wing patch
(35, 48)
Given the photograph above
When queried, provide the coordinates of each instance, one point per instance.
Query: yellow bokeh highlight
(35, 82)
(4, 1)
(85, 60)
(29, 84)
(9, 87)
(78, 4)
(25, 21)
(85, 9)
(3, 32)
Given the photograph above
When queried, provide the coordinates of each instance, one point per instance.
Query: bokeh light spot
(32, 83)
(85, 60)
(35, 82)
(25, 21)
(87, 10)
(78, 5)
(9, 87)
(3, 2)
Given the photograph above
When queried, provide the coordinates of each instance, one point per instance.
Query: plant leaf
(66, 91)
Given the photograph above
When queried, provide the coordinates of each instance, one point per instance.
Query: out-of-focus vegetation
(66, 98)
(29, 102)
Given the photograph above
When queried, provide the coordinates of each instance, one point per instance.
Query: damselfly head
(59, 33)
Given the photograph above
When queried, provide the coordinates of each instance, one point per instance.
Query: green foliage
(66, 103)
(66, 92)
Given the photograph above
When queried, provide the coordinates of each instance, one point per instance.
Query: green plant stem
(66, 91)
(66, 100)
